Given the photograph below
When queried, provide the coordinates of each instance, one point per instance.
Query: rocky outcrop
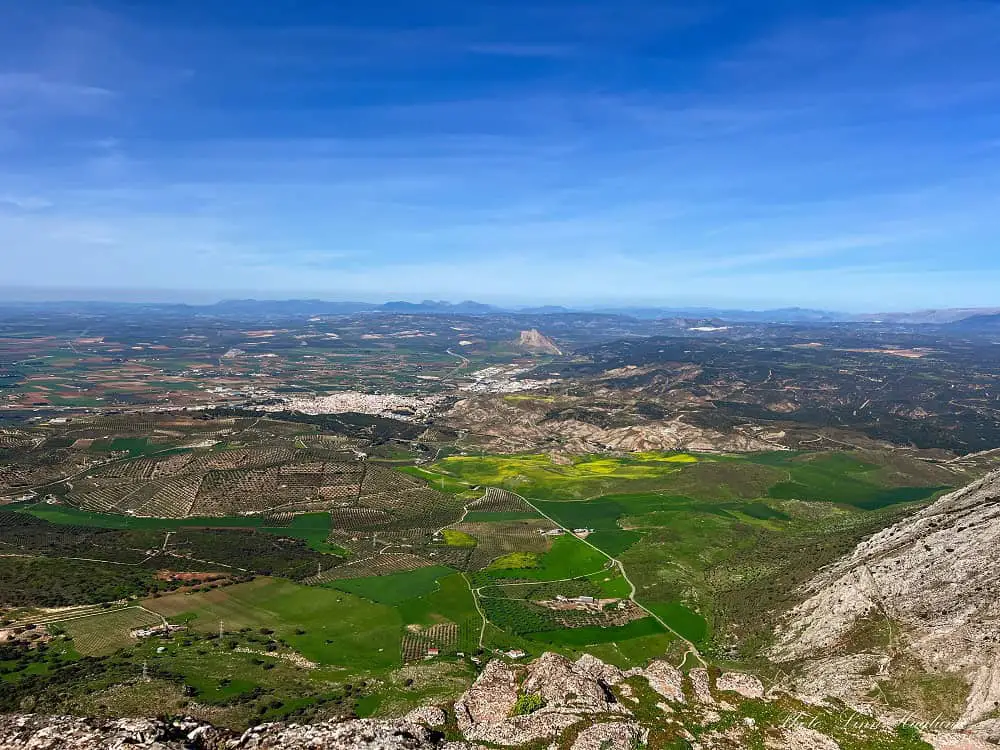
(565, 687)
(666, 679)
(30, 732)
(595, 669)
(932, 580)
(431, 716)
(801, 738)
(988, 729)
(491, 698)
(625, 735)
(582, 705)
(537, 342)
(701, 685)
(568, 692)
(843, 676)
(737, 682)
(506, 427)
(520, 730)
(958, 741)
(361, 734)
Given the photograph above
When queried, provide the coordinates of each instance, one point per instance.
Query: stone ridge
(932, 579)
(581, 705)
(33, 732)
(535, 341)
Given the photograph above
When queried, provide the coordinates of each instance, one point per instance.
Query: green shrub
(908, 732)
(527, 703)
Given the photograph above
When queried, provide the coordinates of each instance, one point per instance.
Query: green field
(578, 637)
(539, 476)
(396, 588)
(516, 561)
(101, 634)
(325, 626)
(568, 558)
(450, 601)
(683, 621)
(455, 538)
(613, 542)
(837, 477)
(715, 545)
(312, 528)
(708, 540)
(439, 481)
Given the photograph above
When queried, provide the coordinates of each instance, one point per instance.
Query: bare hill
(916, 602)
(535, 341)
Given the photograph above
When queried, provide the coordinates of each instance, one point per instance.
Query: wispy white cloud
(545, 154)
(25, 202)
(33, 93)
(507, 49)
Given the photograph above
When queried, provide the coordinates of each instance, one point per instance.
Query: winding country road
(476, 596)
(692, 649)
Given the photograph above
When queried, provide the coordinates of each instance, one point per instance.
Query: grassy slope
(106, 633)
(568, 558)
(396, 588)
(719, 534)
(339, 628)
(712, 541)
(586, 476)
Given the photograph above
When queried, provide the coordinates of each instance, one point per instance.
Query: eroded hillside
(552, 702)
(911, 615)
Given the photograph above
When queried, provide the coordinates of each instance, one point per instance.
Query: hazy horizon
(727, 154)
(210, 297)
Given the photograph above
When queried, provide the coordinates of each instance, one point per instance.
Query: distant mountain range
(467, 307)
(981, 323)
(323, 307)
(781, 315)
(940, 317)
(987, 318)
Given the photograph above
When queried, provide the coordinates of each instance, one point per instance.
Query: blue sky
(840, 155)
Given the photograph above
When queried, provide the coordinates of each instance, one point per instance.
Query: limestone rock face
(745, 684)
(33, 732)
(562, 685)
(595, 669)
(570, 691)
(843, 676)
(801, 738)
(932, 578)
(430, 716)
(958, 741)
(611, 736)
(581, 711)
(520, 730)
(988, 729)
(701, 686)
(536, 341)
(666, 679)
(361, 734)
(490, 699)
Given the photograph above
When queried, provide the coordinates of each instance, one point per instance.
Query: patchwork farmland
(291, 560)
